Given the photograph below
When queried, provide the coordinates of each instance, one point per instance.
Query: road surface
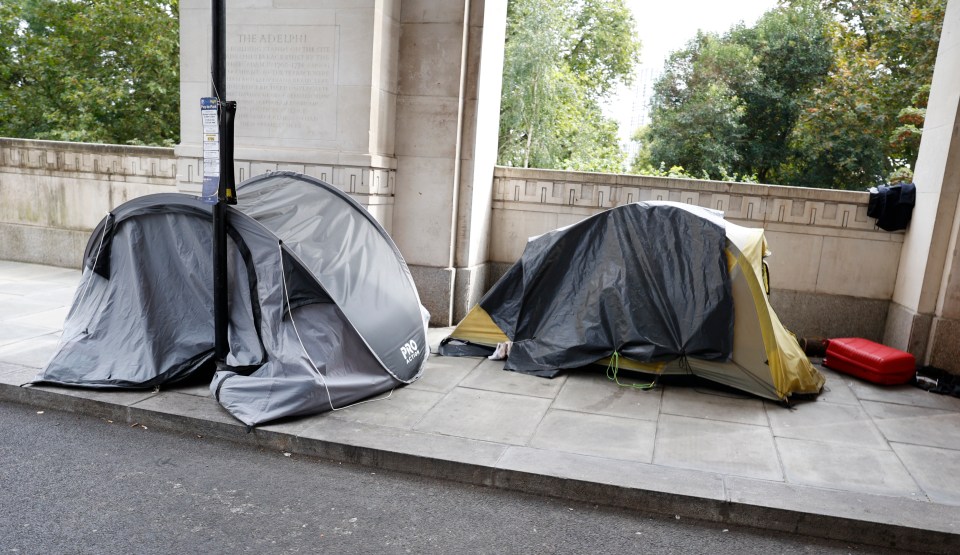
(76, 484)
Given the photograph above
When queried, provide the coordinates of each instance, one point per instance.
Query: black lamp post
(226, 192)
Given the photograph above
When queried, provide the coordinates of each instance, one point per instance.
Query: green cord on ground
(614, 367)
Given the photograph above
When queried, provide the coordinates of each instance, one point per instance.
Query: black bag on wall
(892, 206)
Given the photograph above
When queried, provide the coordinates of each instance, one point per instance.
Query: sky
(665, 26)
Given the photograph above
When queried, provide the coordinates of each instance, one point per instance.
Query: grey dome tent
(323, 309)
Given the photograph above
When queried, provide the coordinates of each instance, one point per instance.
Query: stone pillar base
(449, 293)
(907, 330)
(944, 347)
(933, 340)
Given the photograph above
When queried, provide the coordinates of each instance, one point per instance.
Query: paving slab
(903, 395)
(200, 390)
(57, 291)
(16, 374)
(7, 298)
(723, 447)
(18, 306)
(34, 352)
(596, 434)
(827, 423)
(345, 440)
(486, 415)
(845, 467)
(14, 271)
(489, 375)
(592, 392)
(10, 289)
(936, 470)
(916, 425)
(444, 373)
(713, 404)
(400, 408)
(835, 389)
(10, 334)
(52, 319)
(436, 335)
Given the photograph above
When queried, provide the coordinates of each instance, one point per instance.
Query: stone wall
(832, 272)
(52, 194)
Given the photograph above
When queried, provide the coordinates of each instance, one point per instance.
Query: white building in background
(641, 93)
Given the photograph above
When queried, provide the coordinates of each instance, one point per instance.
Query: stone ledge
(757, 204)
(349, 179)
(99, 160)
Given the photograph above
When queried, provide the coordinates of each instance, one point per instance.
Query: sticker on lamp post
(211, 150)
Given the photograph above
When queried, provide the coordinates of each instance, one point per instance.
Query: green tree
(90, 70)
(604, 49)
(827, 93)
(792, 53)
(866, 119)
(561, 59)
(697, 117)
(729, 103)
(839, 139)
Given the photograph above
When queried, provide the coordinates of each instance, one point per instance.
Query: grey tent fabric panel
(243, 337)
(353, 258)
(650, 282)
(289, 385)
(149, 323)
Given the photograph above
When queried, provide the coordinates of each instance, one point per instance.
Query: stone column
(448, 112)
(394, 101)
(316, 86)
(924, 317)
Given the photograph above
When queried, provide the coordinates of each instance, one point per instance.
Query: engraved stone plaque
(283, 78)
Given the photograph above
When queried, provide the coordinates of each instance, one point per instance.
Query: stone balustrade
(746, 203)
(131, 164)
(833, 272)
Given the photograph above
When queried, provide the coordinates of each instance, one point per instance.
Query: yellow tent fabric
(766, 359)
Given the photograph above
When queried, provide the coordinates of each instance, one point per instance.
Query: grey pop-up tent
(323, 310)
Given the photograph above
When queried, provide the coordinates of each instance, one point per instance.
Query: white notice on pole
(211, 150)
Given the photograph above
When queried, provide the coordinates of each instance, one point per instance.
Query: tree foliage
(561, 59)
(90, 70)
(729, 103)
(826, 93)
(697, 115)
(864, 122)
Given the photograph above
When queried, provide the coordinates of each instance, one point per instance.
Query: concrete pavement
(864, 463)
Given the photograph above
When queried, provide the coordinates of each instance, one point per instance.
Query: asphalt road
(74, 484)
